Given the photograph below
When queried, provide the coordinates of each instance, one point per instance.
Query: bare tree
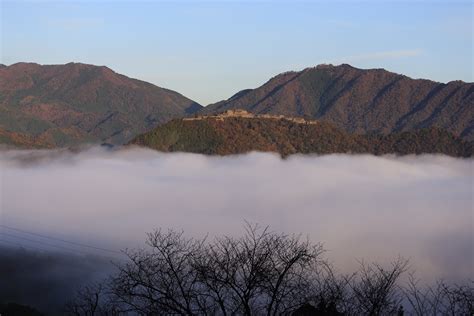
(443, 299)
(332, 292)
(161, 280)
(422, 301)
(92, 300)
(259, 273)
(375, 289)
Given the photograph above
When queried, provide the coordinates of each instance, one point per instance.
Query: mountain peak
(84, 65)
(23, 65)
(331, 66)
(63, 105)
(347, 67)
(361, 100)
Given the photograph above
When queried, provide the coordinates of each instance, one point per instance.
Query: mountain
(63, 105)
(13, 139)
(361, 101)
(236, 132)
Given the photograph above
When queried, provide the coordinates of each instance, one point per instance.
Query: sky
(209, 50)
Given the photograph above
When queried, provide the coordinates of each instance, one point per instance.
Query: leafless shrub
(374, 288)
(161, 280)
(442, 299)
(92, 300)
(260, 273)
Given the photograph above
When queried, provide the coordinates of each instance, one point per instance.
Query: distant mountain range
(237, 132)
(362, 101)
(63, 105)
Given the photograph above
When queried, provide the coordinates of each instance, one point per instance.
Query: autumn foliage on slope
(362, 100)
(237, 135)
(64, 105)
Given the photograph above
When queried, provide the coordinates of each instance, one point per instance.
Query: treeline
(260, 273)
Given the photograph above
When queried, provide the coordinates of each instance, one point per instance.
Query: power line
(61, 240)
(42, 243)
(10, 242)
(22, 246)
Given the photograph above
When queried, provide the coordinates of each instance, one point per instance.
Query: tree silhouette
(259, 273)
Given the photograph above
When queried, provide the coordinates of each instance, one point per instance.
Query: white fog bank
(360, 207)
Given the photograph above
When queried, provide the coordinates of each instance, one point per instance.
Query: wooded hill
(240, 132)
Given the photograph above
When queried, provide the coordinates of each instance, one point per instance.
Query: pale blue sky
(209, 50)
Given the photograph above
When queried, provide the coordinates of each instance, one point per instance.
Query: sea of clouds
(359, 207)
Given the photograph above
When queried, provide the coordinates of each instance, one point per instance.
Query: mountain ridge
(81, 103)
(69, 104)
(361, 100)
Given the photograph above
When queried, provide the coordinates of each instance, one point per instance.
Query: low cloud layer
(360, 207)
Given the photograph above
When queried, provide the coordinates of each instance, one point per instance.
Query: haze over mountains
(362, 101)
(64, 105)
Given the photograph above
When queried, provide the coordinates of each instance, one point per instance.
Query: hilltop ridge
(239, 113)
(238, 131)
(361, 100)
